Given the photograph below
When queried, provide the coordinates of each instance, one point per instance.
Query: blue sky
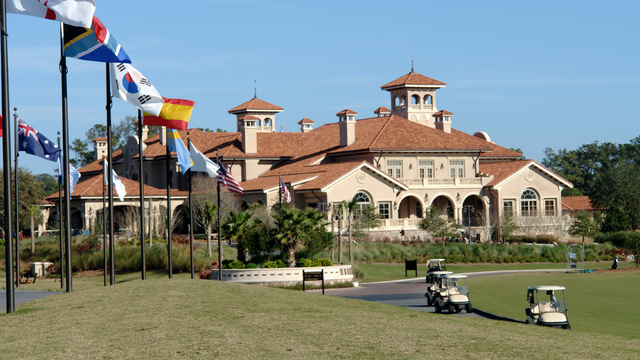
(531, 74)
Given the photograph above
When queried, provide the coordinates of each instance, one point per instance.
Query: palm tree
(209, 216)
(339, 213)
(350, 206)
(34, 214)
(295, 226)
(238, 226)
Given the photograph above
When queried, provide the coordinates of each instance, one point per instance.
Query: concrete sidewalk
(22, 296)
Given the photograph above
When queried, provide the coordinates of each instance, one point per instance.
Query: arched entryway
(444, 205)
(473, 211)
(410, 207)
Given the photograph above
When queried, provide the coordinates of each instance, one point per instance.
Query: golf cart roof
(434, 260)
(546, 287)
(438, 273)
(454, 276)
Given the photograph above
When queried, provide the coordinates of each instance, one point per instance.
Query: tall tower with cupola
(413, 97)
(252, 117)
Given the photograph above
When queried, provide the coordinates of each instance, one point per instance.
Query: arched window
(415, 100)
(396, 101)
(267, 122)
(428, 100)
(363, 201)
(529, 203)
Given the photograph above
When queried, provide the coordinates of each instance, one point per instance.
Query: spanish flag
(175, 114)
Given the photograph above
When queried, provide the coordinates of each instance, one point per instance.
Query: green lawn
(184, 318)
(377, 273)
(601, 303)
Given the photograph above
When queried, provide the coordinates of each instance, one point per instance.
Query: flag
(105, 168)
(120, 189)
(130, 85)
(34, 143)
(175, 114)
(225, 177)
(74, 175)
(201, 163)
(93, 43)
(285, 191)
(72, 12)
(176, 145)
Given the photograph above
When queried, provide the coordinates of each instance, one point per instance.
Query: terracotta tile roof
(100, 138)
(442, 113)
(503, 169)
(382, 110)
(306, 121)
(248, 117)
(347, 112)
(255, 104)
(92, 187)
(412, 78)
(497, 151)
(577, 203)
(96, 166)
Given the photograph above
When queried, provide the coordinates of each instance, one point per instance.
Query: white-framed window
(384, 209)
(529, 203)
(508, 207)
(549, 207)
(394, 168)
(363, 200)
(456, 168)
(425, 169)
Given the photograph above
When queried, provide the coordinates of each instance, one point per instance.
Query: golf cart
(545, 309)
(452, 296)
(435, 286)
(434, 265)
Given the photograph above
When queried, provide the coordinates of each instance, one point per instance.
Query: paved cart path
(23, 296)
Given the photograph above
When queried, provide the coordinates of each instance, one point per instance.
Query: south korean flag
(130, 85)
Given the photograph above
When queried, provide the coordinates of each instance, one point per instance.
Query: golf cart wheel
(429, 301)
(452, 309)
(437, 306)
(469, 309)
(566, 327)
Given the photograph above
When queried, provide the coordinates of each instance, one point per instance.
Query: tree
(49, 183)
(209, 216)
(367, 218)
(438, 224)
(617, 189)
(31, 192)
(34, 215)
(295, 229)
(507, 225)
(583, 226)
(520, 151)
(237, 227)
(632, 243)
(350, 206)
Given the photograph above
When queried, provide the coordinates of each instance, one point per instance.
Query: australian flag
(34, 143)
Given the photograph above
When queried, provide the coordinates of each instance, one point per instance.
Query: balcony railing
(449, 182)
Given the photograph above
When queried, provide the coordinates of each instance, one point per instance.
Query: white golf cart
(547, 307)
(453, 294)
(435, 286)
(434, 265)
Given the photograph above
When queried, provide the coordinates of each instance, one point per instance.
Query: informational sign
(410, 265)
(312, 276)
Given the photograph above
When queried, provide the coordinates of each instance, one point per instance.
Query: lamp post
(469, 209)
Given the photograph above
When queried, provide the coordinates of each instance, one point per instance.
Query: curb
(492, 316)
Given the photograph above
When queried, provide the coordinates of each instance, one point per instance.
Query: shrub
(305, 263)
(251, 266)
(358, 272)
(324, 262)
(274, 264)
(205, 274)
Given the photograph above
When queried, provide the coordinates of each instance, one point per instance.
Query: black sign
(410, 265)
(312, 276)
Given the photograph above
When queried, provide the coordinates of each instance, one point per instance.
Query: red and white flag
(285, 191)
(72, 12)
(225, 178)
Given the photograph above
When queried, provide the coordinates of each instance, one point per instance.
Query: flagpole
(65, 162)
(169, 181)
(112, 261)
(143, 258)
(219, 227)
(60, 220)
(17, 231)
(190, 214)
(280, 199)
(104, 228)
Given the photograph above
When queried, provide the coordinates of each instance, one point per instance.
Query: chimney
(443, 120)
(145, 133)
(163, 135)
(347, 121)
(306, 125)
(249, 130)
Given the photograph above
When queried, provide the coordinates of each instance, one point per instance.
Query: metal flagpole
(60, 221)
(16, 183)
(104, 227)
(143, 252)
(191, 215)
(112, 261)
(65, 162)
(219, 227)
(169, 183)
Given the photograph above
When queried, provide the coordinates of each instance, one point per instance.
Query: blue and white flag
(74, 175)
(176, 145)
(201, 163)
(120, 189)
(93, 44)
(130, 85)
(34, 143)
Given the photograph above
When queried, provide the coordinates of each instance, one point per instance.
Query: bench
(27, 279)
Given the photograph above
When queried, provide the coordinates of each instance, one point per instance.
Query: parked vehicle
(434, 265)
(452, 296)
(544, 307)
(435, 286)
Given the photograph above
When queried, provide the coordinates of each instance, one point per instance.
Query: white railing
(427, 106)
(441, 182)
(470, 181)
(396, 222)
(413, 182)
(416, 107)
(422, 183)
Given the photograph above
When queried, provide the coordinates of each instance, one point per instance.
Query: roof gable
(255, 104)
(412, 78)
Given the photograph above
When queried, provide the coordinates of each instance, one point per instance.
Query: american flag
(225, 177)
(285, 191)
